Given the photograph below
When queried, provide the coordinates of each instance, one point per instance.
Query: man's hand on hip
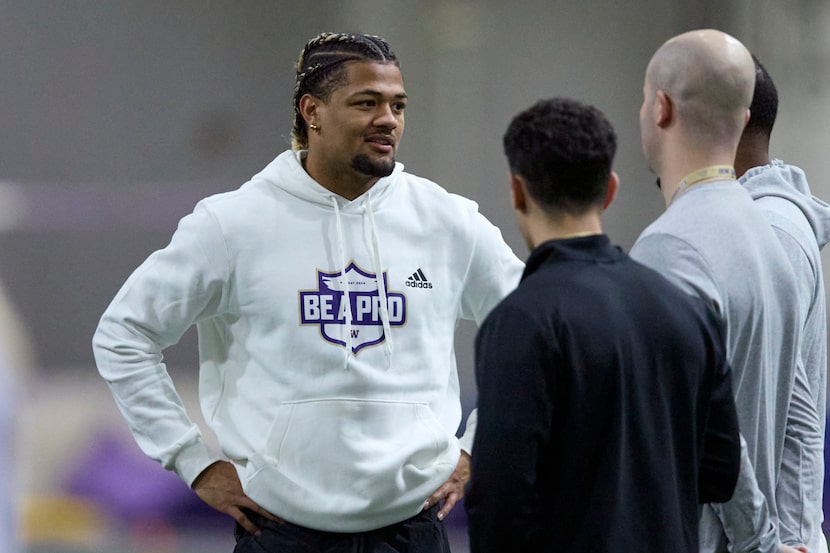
(219, 486)
(453, 489)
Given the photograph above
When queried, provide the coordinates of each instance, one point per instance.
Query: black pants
(423, 533)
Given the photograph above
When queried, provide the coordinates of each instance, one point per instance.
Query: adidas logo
(418, 280)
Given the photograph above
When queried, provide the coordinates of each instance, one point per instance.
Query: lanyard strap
(720, 172)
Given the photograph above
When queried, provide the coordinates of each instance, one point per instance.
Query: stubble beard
(362, 163)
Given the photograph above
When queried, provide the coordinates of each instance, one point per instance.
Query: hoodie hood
(287, 172)
(789, 182)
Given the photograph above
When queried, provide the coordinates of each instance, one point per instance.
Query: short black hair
(563, 149)
(321, 69)
(764, 107)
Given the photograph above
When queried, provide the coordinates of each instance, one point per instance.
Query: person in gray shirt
(714, 243)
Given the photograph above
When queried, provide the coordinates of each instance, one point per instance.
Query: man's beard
(363, 164)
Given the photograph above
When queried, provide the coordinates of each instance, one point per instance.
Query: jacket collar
(596, 248)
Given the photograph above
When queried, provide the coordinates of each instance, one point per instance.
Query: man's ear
(611, 192)
(309, 108)
(518, 193)
(664, 109)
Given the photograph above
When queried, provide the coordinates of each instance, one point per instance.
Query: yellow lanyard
(720, 172)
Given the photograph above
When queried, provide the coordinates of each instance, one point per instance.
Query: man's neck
(676, 176)
(563, 228)
(753, 151)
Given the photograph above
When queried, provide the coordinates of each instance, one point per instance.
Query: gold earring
(314, 128)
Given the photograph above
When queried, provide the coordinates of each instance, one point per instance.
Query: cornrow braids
(321, 69)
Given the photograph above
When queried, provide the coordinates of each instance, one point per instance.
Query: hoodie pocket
(346, 456)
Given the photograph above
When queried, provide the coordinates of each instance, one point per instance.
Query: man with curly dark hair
(605, 411)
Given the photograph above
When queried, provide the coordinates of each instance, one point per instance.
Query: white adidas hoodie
(339, 416)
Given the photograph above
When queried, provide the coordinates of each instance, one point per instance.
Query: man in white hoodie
(326, 292)
(802, 224)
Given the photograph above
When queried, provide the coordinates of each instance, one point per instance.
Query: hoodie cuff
(191, 461)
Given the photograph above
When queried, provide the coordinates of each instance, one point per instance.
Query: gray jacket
(714, 242)
(802, 224)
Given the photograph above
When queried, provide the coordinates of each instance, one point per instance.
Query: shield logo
(327, 307)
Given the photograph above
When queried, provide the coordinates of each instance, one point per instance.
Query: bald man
(714, 243)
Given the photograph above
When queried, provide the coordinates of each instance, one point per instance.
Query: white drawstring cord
(345, 278)
(384, 306)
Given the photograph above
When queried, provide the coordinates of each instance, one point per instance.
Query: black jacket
(605, 410)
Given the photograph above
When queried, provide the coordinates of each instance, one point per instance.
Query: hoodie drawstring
(384, 305)
(345, 279)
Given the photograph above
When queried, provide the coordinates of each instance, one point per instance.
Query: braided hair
(321, 69)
